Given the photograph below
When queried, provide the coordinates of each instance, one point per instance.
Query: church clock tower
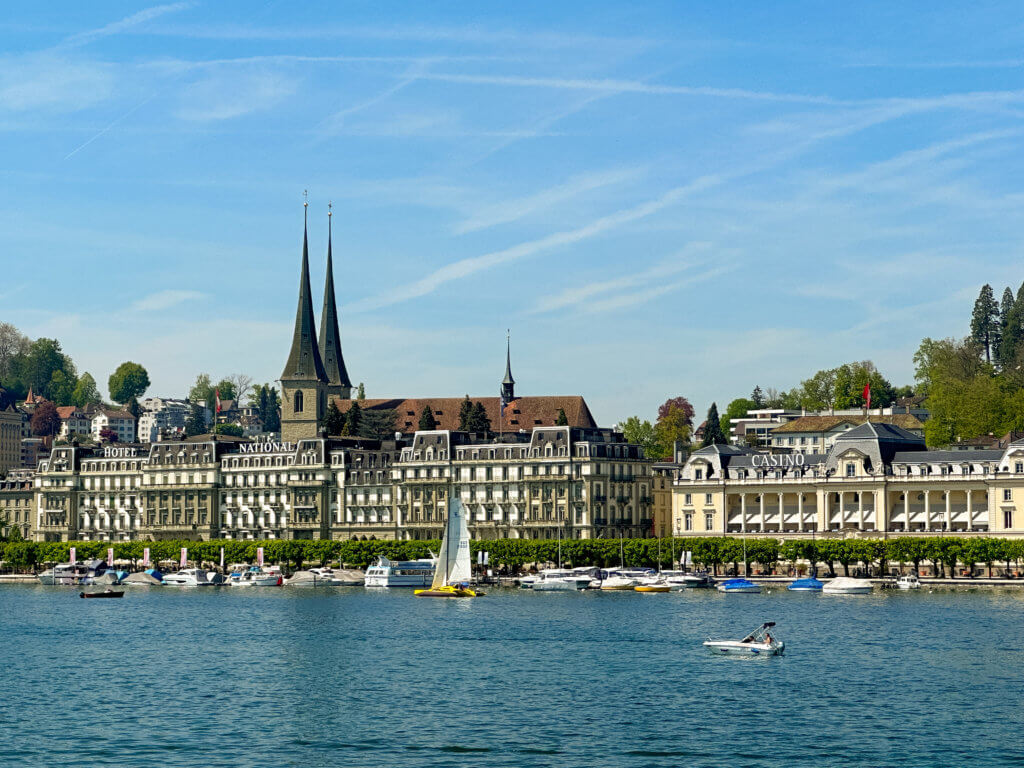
(304, 380)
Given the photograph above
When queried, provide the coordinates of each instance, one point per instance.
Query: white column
(842, 508)
(800, 511)
(970, 512)
(927, 510)
(860, 509)
(781, 509)
(762, 512)
(743, 512)
(949, 514)
(906, 510)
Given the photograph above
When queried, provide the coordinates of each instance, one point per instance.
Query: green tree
(375, 424)
(757, 398)
(334, 420)
(1004, 320)
(561, 420)
(985, 325)
(128, 381)
(361, 392)
(227, 390)
(235, 430)
(202, 391)
(86, 392)
(35, 365)
(478, 421)
(465, 414)
(61, 388)
(196, 422)
(427, 420)
(13, 343)
(713, 434)
(354, 419)
(675, 423)
(642, 433)
(737, 409)
(1013, 333)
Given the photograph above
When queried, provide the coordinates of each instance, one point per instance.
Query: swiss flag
(217, 395)
(867, 396)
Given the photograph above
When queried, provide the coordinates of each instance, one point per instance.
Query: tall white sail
(453, 563)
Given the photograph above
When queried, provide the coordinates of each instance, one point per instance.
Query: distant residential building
(759, 424)
(73, 420)
(817, 434)
(12, 425)
(32, 400)
(120, 422)
(33, 449)
(17, 502)
(162, 416)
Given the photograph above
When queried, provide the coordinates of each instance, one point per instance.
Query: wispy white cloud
(512, 210)
(469, 266)
(126, 24)
(629, 86)
(222, 97)
(600, 291)
(165, 300)
(632, 298)
(47, 81)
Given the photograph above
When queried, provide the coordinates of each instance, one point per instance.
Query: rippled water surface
(350, 677)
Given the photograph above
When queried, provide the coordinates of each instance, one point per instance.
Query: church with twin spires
(315, 373)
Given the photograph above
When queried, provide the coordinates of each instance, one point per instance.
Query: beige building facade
(876, 479)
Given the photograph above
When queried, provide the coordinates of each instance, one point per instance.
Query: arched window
(298, 402)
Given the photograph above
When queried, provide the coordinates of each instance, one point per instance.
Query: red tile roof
(522, 413)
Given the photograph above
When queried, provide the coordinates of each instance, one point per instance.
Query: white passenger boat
(687, 579)
(193, 577)
(407, 573)
(842, 585)
(256, 577)
(760, 642)
(559, 580)
(64, 575)
(910, 581)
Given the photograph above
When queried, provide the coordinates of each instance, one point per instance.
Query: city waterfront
(342, 677)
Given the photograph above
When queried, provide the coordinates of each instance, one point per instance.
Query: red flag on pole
(110, 556)
(867, 395)
(217, 395)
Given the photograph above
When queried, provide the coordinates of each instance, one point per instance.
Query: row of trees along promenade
(764, 555)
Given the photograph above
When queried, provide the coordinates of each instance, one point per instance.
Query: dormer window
(698, 474)
(851, 469)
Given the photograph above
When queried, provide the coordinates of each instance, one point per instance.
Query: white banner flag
(687, 558)
(110, 556)
(487, 558)
(72, 555)
(222, 558)
(480, 557)
(259, 556)
(184, 557)
(145, 557)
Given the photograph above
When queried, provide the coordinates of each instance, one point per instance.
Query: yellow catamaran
(451, 576)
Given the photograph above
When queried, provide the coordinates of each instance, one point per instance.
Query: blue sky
(657, 199)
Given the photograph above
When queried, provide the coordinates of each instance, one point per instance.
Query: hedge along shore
(945, 554)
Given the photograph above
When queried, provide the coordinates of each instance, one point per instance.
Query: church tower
(304, 381)
(338, 383)
(508, 384)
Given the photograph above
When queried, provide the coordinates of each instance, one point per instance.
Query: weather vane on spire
(305, 198)
(329, 206)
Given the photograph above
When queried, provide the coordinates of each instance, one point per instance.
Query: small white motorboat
(760, 642)
(193, 577)
(257, 577)
(738, 586)
(615, 583)
(909, 581)
(559, 580)
(843, 585)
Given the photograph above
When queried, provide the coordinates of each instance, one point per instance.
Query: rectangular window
(1007, 494)
(688, 522)
(1008, 519)
(709, 522)
(698, 474)
(707, 498)
(851, 470)
(1018, 467)
(688, 499)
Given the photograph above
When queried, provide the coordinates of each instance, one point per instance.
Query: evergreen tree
(757, 396)
(713, 429)
(354, 419)
(334, 420)
(985, 321)
(562, 420)
(196, 423)
(1004, 309)
(465, 415)
(478, 421)
(272, 422)
(133, 407)
(361, 392)
(427, 420)
(1013, 331)
(86, 392)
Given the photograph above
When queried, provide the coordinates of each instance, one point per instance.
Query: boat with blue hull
(810, 584)
(739, 586)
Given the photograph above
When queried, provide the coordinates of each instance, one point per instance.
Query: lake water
(351, 677)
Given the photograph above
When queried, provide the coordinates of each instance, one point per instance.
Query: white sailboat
(451, 576)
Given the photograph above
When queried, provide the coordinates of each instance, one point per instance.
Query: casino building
(536, 479)
(875, 479)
